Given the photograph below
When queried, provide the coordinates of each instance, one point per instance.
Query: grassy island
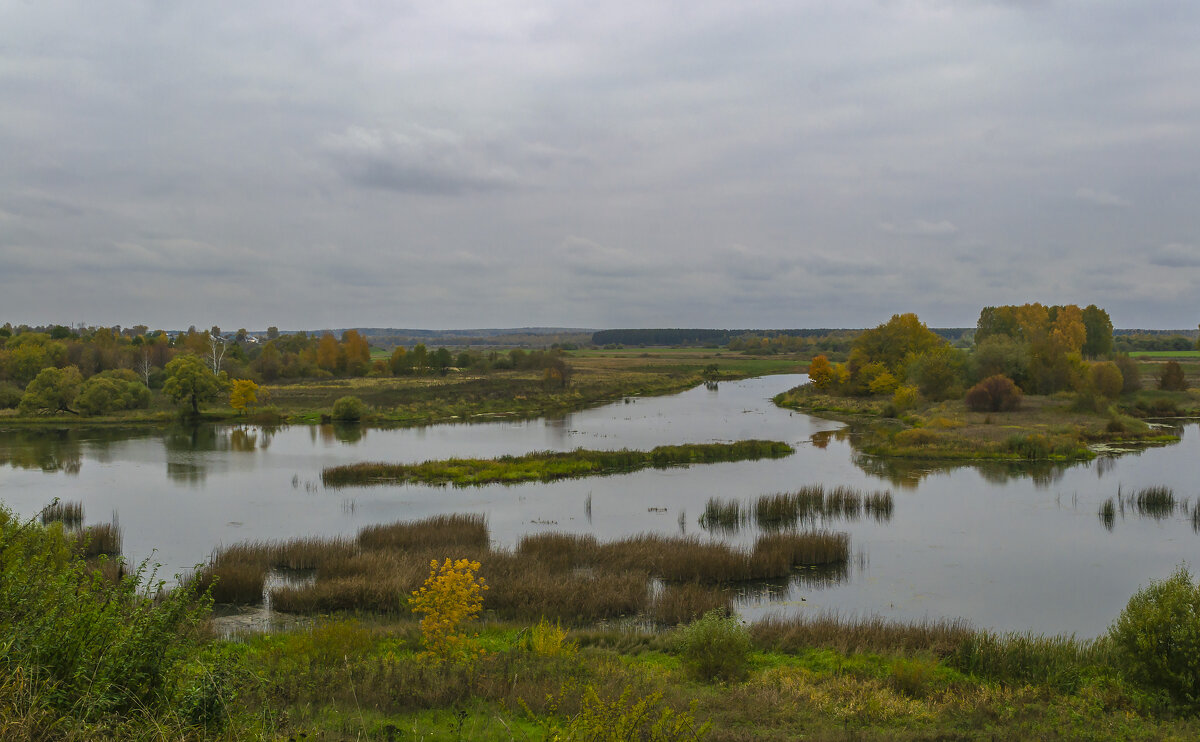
(546, 466)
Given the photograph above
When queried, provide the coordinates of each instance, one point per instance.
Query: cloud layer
(580, 164)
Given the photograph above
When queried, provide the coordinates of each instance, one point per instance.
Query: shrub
(1158, 637)
(91, 646)
(994, 394)
(349, 409)
(905, 398)
(1131, 375)
(103, 394)
(450, 597)
(1107, 380)
(1171, 378)
(626, 717)
(548, 639)
(716, 647)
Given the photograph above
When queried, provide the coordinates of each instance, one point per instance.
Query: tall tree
(189, 381)
(1099, 332)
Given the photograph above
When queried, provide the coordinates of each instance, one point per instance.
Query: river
(1010, 548)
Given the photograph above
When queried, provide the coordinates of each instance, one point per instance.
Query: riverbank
(597, 378)
(1043, 429)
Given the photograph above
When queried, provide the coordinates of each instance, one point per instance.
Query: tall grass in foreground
(546, 466)
(84, 647)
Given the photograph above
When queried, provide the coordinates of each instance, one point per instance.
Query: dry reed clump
(560, 550)
(525, 589)
(873, 634)
(679, 604)
(374, 593)
(442, 531)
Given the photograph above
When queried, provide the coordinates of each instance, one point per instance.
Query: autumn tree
(820, 372)
(1106, 379)
(327, 352)
(243, 393)
(190, 381)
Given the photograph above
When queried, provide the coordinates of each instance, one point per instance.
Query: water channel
(1007, 548)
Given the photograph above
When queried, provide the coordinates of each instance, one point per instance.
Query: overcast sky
(452, 164)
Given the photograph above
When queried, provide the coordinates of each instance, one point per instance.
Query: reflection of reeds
(70, 514)
(1108, 513)
(788, 509)
(568, 577)
(1196, 517)
(1158, 501)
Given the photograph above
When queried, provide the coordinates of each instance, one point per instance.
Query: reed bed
(546, 466)
(443, 531)
(870, 634)
(805, 506)
(1108, 513)
(679, 604)
(70, 514)
(101, 539)
(573, 578)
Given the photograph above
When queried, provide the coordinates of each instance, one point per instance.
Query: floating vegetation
(561, 576)
(70, 514)
(546, 466)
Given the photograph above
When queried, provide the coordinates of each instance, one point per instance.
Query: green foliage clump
(10, 396)
(994, 394)
(716, 647)
(1158, 638)
(626, 717)
(349, 409)
(110, 391)
(53, 390)
(91, 646)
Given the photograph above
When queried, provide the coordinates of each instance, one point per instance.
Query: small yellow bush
(549, 640)
(450, 597)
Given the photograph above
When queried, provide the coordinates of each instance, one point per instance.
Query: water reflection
(341, 432)
(909, 473)
(1156, 503)
(61, 449)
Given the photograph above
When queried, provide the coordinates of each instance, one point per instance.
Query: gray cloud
(1101, 198)
(588, 164)
(1177, 255)
(919, 228)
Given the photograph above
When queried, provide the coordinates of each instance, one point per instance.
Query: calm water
(1008, 548)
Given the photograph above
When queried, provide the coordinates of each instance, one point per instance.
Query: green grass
(1165, 354)
(545, 466)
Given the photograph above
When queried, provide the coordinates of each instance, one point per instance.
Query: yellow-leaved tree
(243, 393)
(451, 596)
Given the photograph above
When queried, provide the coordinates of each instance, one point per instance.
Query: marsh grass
(546, 466)
(724, 515)
(1108, 513)
(101, 539)
(70, 514)
(559, 576)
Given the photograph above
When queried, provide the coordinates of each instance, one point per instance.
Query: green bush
(1158, 638)
(716, 647)
(349, 409)
(94, 647)
(1171, 377)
